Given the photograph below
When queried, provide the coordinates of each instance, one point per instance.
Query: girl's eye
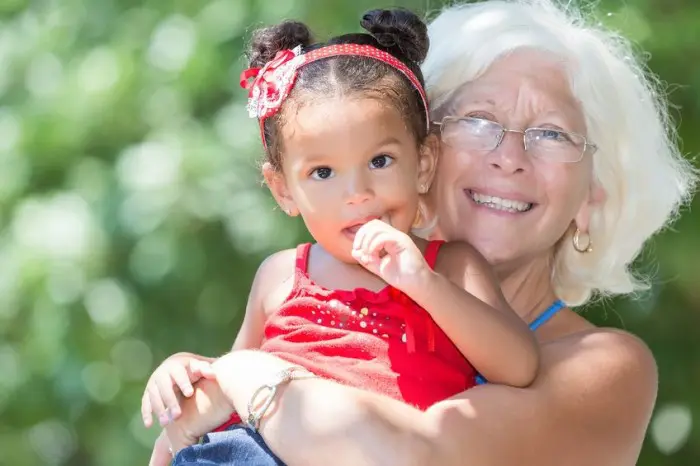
(321, 173)
(381, 161)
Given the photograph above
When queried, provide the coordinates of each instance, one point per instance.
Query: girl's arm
(161, 456)
(590, 404)
(271, 283)
(461, 295)
(177, 373)
(465, 300)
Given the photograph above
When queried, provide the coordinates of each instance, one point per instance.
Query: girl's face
(346, 161)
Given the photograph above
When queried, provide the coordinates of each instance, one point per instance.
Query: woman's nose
(510, 155)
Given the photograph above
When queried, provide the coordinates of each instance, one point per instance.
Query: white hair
(638, 163)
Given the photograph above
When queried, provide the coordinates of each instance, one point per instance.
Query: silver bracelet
(270, 390)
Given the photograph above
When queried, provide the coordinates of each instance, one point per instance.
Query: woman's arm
(591, 404)
(319, 424)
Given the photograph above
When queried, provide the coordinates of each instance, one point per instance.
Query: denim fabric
(237, 446)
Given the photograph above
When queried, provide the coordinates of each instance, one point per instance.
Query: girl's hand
(391, 255)
(207, 409)
(180, 370)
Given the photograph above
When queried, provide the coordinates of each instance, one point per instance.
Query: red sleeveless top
(378, 341)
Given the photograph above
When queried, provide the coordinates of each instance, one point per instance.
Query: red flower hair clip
(272, 83)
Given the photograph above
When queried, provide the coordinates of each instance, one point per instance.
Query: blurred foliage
(132, 217)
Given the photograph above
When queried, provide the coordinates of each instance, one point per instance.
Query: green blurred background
(132, 217)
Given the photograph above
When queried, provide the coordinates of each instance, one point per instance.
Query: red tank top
(378, 341)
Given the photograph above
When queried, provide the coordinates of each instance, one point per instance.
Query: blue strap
(542, 319)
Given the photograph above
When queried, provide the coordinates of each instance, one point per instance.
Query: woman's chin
(496, 249)
(496, 255)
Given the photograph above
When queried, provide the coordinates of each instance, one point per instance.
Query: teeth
(498, 203)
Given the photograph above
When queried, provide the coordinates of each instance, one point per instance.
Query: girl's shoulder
(279, 262)
(275, 278)
(455, 258)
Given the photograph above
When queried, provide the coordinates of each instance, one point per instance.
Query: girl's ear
(427, 165)
(278, 187)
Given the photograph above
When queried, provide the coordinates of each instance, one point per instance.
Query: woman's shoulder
(572, 338)
(609, 348)
(592, 401)
(613, 364)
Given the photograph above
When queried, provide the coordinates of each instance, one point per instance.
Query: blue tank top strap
(542, 319)
(550, 312)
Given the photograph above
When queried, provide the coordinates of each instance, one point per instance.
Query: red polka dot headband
(272, 83)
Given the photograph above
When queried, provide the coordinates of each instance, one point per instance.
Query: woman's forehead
(532, 83)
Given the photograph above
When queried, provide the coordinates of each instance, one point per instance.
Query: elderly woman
(512, 84)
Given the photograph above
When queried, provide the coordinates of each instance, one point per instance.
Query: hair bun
(266, 42)
(399, 31)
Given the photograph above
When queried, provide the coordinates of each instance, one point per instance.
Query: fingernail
(187, 391)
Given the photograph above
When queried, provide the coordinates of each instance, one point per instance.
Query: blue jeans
(237, 446)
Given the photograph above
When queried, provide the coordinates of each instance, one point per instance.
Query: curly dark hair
(398, 32)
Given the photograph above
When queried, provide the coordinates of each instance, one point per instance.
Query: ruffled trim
(407, 310)
(307, 287)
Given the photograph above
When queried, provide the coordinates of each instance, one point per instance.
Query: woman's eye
(381, 161)
(553, 135)
(481, 116)
(321, 173)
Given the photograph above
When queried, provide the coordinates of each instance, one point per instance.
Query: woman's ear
(280, 191)
(595, 198)
(427, 165)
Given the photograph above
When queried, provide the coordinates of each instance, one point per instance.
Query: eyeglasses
(485, 135)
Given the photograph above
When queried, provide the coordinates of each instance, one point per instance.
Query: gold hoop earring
(577, 242)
